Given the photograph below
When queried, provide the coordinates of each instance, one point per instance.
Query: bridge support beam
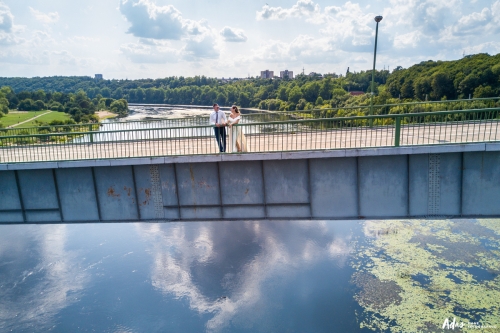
(405, 182)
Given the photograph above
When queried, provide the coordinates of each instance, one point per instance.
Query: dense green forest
(472, 76)
(78, 105)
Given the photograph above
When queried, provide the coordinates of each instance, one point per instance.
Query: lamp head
(378, 18)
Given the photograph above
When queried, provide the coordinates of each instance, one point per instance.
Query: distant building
(98, 77)
(356, 93)
(286, 74)
(267, 74)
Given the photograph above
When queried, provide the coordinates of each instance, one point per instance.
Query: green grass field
(54, 115)
(13, 118)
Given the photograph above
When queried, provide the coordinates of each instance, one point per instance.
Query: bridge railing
(464, 126)
(256, 116)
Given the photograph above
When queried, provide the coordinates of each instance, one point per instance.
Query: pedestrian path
(28, 120)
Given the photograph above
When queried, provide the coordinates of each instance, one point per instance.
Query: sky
(133, 39)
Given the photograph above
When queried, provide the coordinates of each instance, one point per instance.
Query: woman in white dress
(238, 140)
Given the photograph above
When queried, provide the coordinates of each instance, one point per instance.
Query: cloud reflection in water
(29, 299)
(221, 267)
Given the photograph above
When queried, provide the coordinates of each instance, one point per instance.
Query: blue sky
(230, 38)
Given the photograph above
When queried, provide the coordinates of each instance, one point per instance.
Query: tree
(140, 95)
(244, 100)
(407, 89)
(106, 92)
(39, 105)
(38, 95)
(325, 90)
(118, 93)
(56, 106)
(120, 107)
(339, 92)
(25, 105)
(422, 88)
(310, 91)
(4, 106)
(294, 95)
(282, 93)
(442, 86)
(467, 86)
(484, 92)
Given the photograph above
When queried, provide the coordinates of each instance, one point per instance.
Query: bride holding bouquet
(238, 140)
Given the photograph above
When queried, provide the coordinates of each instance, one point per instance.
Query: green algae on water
(412, 275)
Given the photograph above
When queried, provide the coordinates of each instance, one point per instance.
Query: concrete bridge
(457, 178)
(405, 182)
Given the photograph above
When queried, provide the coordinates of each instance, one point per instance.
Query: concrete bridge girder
(374, 184)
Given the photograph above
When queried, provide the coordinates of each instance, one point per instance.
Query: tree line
(472, 76)
(78, 105)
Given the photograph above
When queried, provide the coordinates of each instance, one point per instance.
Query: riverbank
(144, 112)
(104, 114)
(28, 118)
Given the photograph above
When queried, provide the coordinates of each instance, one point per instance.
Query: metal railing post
(397, 134)
(91, 135)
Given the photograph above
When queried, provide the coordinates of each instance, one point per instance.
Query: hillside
(475, 76)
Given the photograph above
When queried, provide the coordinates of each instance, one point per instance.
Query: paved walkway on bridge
(305, 139)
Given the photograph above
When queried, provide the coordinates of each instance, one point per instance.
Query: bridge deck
(308, 139)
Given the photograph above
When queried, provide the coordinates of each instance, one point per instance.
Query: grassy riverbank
(45, 116)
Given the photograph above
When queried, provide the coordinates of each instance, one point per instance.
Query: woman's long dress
(238, 140)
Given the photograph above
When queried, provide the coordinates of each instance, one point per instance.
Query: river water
(251, 276)
(155, 122)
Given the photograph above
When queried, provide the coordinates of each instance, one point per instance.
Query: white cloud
(7, 39)
(344, 28)
(233, 35)
(26, 58)
(149, 20)
(40, 40)
(428, 16)
(303, 8)
(153, 23)
(488, 47)
(303, 49)
(6, 18)
(318, 35)
(410, 39)
(152, 53)
(45, 18)
(349, 27)
(473, 23)
(66, 58)
(202, 47)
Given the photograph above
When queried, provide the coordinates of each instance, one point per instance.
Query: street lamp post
(377, 19)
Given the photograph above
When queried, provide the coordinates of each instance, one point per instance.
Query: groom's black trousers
(220, 137)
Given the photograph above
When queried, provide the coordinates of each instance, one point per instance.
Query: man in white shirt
(218, 120)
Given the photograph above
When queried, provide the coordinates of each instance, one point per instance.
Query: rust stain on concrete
(204, 184)
(112, 193)
(191, 173)
(147, 191)
(128, 190)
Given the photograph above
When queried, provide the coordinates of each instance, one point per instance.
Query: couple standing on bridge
(219, 120)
